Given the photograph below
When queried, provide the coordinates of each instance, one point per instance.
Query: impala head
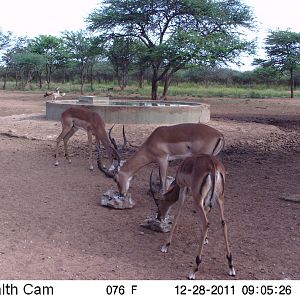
(114, 159)
(123, 181)
(165, 201)
(121, 178)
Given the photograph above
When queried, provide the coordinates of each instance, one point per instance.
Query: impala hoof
(192, 276)
(164, 249)
(232, 272)
(56, 163)
(91, 168)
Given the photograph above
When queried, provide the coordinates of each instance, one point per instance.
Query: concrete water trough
(134, 111)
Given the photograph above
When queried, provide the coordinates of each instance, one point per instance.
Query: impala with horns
(204, 176)
(75, 118)
(167, 143)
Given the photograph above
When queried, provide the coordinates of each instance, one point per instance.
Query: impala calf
(76, 118)
(167, 143)
(204, 176)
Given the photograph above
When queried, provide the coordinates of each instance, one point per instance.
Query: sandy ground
(52, 226)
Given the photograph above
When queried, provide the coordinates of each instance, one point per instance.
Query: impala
(204, 176)
(76, 118)
(54, 95)
(167, 143)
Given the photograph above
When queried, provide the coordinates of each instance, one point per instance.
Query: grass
(180, 90)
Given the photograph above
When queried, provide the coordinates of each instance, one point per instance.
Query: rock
(113, 199)
(292, 198)
(154, 224)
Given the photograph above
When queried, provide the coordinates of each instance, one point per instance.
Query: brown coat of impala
(75, 118)
(167, 143)
(204, 176)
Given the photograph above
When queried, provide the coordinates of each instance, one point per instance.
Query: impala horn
(125, 142)
(108, 173)
(112, 140)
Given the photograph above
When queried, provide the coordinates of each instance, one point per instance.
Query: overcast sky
(34, 17)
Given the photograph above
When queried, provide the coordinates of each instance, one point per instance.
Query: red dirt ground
(52, 226)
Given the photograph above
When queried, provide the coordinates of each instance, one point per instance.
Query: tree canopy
(81, 48)
(175, 32)
(52, 49)
(283, 53)
(5, 39)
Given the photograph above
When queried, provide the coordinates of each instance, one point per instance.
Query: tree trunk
(123, 81)
(292, 82)
(81, 78)
(29, 79)
(166, 86)
(154, 90)
(141, 79)
(81, 87)
(64, 75)
(40, 80)
(5, 78)
(92, 79)
(48, 75)
(16, 77)
(154, 87)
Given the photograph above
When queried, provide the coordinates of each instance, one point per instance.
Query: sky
(34, 17)
(271, 15)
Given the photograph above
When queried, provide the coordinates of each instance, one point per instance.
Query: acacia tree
(121, 55)
(176, 32)
(81, 48)
(28, 64)
(18, 45)
(5, 39)
(52, 48)
(5, 46)
(283, 53)
(141, 62)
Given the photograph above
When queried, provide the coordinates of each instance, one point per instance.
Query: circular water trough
(136, 111)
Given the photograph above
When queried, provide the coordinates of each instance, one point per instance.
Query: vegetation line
(189, 90)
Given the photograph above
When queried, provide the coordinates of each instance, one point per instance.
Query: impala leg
(62, 135)
(182, 196)
(229, 255)
(66, 139)
(207, 209)
(163, 166)
(204, 229)
(90, 140)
